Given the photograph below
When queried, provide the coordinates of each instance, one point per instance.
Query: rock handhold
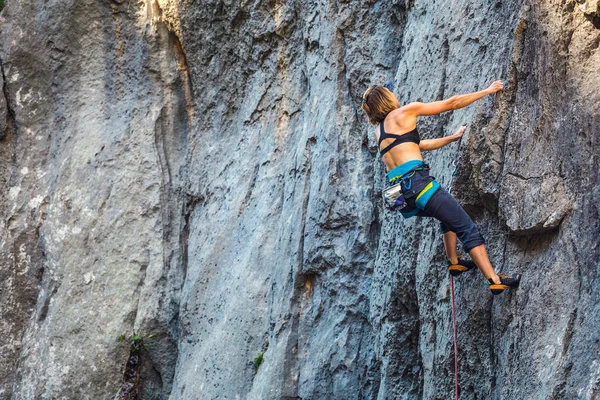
(535, 204)
(591, 11)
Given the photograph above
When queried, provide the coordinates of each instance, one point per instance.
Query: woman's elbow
(453, 103)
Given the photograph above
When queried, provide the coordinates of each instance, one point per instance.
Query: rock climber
(400, 147)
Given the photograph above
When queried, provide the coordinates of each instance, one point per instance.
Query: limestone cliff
(202, 172)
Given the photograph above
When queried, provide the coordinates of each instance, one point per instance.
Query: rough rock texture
(203, 172)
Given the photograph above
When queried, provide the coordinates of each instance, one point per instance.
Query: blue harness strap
(410, 213)
(425, 194)
(403, 169)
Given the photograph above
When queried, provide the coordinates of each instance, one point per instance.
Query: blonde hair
(377, 103)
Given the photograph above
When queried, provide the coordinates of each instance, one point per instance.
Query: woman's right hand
(495, 87)
(459, 133)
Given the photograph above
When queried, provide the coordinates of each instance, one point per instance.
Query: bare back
(398, 122)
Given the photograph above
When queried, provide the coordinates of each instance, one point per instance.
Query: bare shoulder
(404, 117)
(411, 108)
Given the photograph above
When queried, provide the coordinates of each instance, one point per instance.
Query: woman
(401, 154)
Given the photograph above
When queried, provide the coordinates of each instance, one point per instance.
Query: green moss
(258, 360)
(2, 4)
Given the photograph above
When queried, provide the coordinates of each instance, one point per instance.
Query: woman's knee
(472, 239)
(444, 228)
(454, 218)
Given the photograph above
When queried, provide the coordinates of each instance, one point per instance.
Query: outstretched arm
(432, 144)
(453, 103)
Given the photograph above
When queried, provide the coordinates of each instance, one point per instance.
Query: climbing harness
(393, 195)
(406, 177)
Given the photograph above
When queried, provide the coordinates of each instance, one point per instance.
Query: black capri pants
(443, 207)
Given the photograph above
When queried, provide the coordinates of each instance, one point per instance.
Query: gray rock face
(3, 111)
(204, 173)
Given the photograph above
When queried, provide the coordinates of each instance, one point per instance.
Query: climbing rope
(456, 389)
(455, 344)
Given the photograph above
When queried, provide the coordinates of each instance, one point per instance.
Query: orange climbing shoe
(460, 267)
(506, 281)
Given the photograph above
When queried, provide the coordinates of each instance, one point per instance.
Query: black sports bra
(412, 136)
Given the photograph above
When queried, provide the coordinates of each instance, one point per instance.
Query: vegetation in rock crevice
(130, 388)
(258, 360)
